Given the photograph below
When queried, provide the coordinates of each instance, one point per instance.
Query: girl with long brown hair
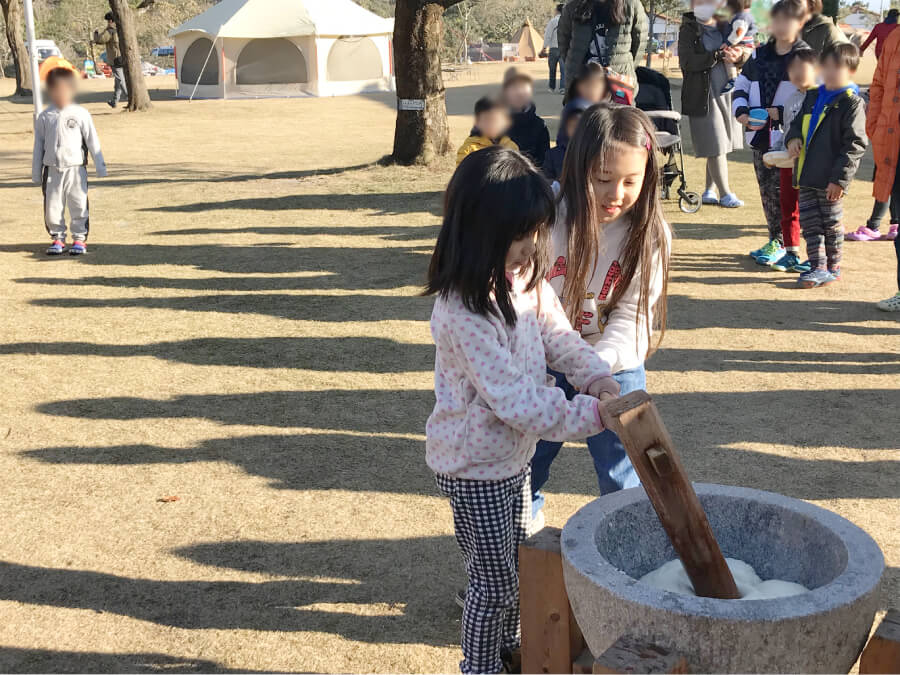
(610, 262)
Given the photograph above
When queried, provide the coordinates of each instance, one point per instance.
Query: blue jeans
(614, 469)
(553, 61)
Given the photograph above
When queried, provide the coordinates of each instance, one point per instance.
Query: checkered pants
(490, 518)
(822, 228)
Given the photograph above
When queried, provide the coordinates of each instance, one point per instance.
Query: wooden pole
(635, 419)
(882, 654)
(551, 639)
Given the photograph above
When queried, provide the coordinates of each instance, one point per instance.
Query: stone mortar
(618, 538)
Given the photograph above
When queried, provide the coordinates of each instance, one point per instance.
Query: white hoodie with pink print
(494, 397)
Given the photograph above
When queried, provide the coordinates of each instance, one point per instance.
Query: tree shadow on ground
(364, 410)
(376, 230)
(404, 586)
(811, 314)
(22, 660)
(326, 267)
(783, 362)
(395, 203)
(328, 308)
(294, 462)
(709, 231)
(148, 174)
(791, 417)
(341, 354)
(289, 462)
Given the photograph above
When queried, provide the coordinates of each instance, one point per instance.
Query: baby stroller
(655, 98)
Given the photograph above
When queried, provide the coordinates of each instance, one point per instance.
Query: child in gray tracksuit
(64, 133)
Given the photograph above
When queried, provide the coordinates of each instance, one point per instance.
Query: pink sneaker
(891, 234)
(864, 234)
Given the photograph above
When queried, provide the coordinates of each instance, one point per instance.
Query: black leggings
(880, 209)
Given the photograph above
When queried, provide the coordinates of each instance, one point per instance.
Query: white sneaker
(536, 524)
(551, 90)
(892, 304)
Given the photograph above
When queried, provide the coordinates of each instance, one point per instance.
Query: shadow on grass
(126, 175)
(325, 267)
(289, 462)
(810, 314)
(390, 233)
(403, 587)
(722, 361)
(790, 417)
(382, 203)
(364, 410)
(342, 354)
(22, 660)
(330, 308)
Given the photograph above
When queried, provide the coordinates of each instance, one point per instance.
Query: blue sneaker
(58, 247)
(789, 262)
(816, 278)
(836, 273)
(771, 253)
(758, 252)
(78, 248)
(709, 197)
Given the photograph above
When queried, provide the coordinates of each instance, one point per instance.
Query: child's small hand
(743, 119)
(773, 113)
(793, 147)
(603, 385)
(834, 192)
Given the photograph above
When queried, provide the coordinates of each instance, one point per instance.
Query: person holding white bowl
(760, 93)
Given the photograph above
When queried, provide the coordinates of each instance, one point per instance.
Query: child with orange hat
(64, 133)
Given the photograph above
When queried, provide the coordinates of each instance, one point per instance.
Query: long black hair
(583, 10)
(496, 197)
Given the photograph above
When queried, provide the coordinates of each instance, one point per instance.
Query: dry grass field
(245, 334)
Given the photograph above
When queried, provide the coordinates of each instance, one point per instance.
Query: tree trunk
(138, 96)
(421, 136)
(15, 32)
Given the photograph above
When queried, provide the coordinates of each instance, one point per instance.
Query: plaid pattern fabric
(490, 518)
(769, 179)
(822, 228)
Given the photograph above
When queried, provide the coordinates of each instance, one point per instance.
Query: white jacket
(622, 342)
(63, 138)
(494, 399)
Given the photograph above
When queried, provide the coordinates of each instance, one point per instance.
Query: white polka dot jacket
(494, 397)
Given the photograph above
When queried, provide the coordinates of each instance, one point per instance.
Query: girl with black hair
(497, 325)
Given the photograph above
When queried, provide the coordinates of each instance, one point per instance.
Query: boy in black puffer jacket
(528, 131)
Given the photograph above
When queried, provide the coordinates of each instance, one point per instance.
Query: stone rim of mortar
(862, 574)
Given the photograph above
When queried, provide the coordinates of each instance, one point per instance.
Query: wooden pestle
(635, 419)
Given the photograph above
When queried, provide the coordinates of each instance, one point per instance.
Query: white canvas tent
(255, 48)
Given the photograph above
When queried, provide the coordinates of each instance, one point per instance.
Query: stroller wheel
(689, 202)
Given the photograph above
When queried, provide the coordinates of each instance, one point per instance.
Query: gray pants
(66, 188)
(120, 92)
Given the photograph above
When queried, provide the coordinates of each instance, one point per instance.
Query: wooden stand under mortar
(551, 638)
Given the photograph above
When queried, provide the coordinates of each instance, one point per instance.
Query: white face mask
(704, 12)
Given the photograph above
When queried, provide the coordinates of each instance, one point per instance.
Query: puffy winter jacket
(626, 42)
(820, 33)
(837, 144)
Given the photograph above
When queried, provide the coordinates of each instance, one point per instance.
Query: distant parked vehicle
(46, 49)
(162, 51)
